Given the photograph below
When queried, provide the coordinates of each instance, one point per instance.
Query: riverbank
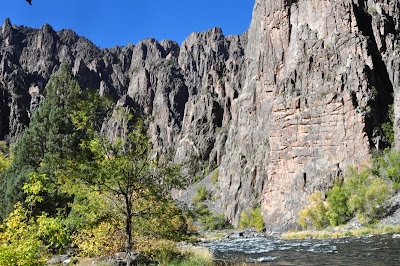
(388, 224)
(229, 247)
(188, 256)
(341, 231)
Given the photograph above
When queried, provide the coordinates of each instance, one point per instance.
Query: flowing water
(369, 250)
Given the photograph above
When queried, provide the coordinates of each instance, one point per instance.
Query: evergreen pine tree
(51, 136)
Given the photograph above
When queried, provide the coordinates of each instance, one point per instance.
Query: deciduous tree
(121, 168)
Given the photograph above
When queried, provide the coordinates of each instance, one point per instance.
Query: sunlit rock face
(282, 109)
(320, 76)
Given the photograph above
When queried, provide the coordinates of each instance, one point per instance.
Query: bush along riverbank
(366, 201)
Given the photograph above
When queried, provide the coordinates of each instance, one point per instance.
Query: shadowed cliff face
(281, 109)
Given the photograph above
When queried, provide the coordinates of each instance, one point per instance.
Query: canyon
(281, 110)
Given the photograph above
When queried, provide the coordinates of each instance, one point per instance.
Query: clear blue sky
(109, 23)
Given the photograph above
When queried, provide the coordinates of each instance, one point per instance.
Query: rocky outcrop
(282, 109)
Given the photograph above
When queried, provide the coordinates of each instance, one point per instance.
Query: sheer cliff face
(319, 81)
(282, 109)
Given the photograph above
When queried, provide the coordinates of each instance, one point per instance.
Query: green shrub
(208, 219)
(201, 195)
(197, 178)
(3, 147)
(26, 239)
(251, 218)
(338, 210)
(53, 232)
(387, 127)
(215, 176)
(315, 212)
(4, 162)
(20, 240)
(218, 130)
(389, 165)
(362, 195)
(214, 222)
(372, 10)
(367, 203)
(366, 194)
(201, 209)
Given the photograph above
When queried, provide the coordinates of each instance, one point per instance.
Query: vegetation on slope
(209, 220)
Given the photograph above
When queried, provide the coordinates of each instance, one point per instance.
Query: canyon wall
(281, 110)
(320, 78)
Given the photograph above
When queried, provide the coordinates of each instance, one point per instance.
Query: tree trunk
(128, 232)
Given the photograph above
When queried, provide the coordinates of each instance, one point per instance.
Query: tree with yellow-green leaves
(26, 239)
(5, 159)
(121, 170)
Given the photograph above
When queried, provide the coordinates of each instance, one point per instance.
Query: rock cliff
(281, 109)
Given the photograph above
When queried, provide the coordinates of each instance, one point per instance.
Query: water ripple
(381, 250)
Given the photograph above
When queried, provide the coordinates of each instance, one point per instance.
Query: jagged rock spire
(6, 25)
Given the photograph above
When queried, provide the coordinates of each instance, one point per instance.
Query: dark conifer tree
(50, 138)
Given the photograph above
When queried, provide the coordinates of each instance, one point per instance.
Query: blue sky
(109, 23)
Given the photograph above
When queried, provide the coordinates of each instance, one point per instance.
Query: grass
(195, 256)
(220, 235)
(213, 236)
(362, 231)
(90, 262)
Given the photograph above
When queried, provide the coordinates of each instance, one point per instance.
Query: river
(367, 250)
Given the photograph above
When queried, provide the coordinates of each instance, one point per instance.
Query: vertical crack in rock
(379, 81)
